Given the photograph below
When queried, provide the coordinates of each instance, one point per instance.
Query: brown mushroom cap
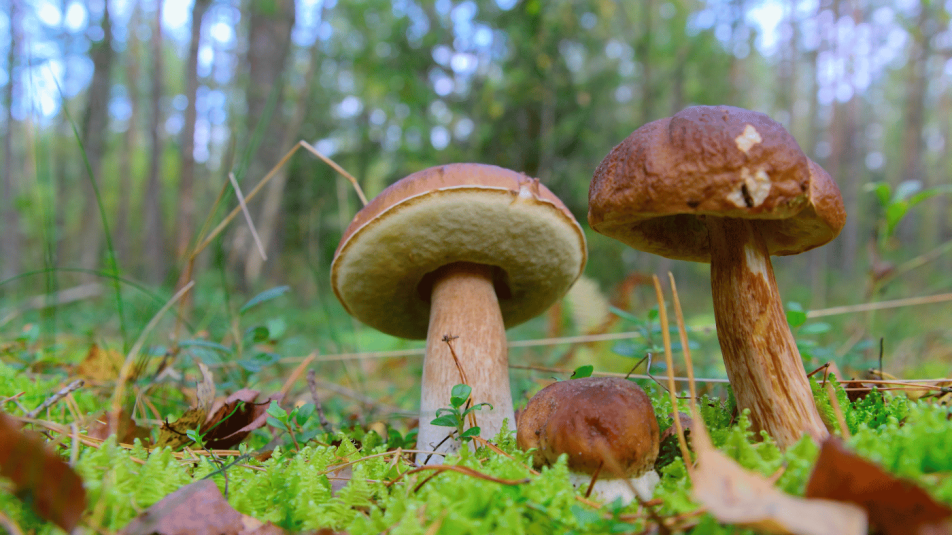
(580, 417)
(652, 190)
(456, 213)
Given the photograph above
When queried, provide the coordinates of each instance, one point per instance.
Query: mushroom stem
(464, 305)
(760, 354)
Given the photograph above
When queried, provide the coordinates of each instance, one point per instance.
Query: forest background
(156, 102)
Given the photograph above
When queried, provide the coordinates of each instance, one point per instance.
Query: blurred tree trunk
(819, 257)
(787, 77)
(129, 141)
(186, 194)
(943, 171)
(847, 154)
(735, 95)
(913, 111)
(270, 220)
(643, 53)
(10, 261)
(94, 129)
(269, 42)
(156, 262)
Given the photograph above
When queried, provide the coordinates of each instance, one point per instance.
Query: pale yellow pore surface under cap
(537, 245)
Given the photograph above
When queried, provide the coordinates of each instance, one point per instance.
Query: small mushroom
(730, 187)
(607, 428)
(460, 252)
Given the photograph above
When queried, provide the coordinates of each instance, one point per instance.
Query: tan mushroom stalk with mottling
(730, 187)
(462, 251)
(607, 428)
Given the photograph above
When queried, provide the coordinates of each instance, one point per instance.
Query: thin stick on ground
(50, 401)
(866, 307)
(267, 178)
(296, 374)
(462, 376)
(205, 238)
(244, 209)
(683, 333)
(672, 391)
(312, 386)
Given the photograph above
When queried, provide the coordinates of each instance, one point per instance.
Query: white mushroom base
(611, 489)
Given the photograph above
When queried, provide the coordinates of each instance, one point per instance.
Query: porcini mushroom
(730, 187)
(462, 251)
(607, 428)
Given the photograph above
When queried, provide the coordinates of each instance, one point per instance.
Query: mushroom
(607, 428)
(456, 254)
(730, 187)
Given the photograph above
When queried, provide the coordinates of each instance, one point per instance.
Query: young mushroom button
(464, 251)
(730, 187)
(607, 428)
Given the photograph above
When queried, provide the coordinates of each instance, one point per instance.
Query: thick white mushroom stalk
(465, 320)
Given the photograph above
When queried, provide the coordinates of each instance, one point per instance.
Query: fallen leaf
(39, 476)
(100, 365)
(231, 420)
(857, 390)
(173, 434)
(196, 509)
(735, 496)
(127, 432)
(895, 506)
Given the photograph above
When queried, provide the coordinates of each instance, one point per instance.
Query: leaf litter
(40, 476)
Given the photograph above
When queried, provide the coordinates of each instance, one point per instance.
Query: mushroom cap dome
(382, 270)
(654, 190)
(588, 419)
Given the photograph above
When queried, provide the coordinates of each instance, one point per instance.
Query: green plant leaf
(583, 371)
(303, 413)
(206, 344)
(625, 315)
(445, 421)
(795, 315)
(881, 190)
(459, 395)
(257, 334)
(477, 407)
(266, 295)
(275, 410)
(471, 432)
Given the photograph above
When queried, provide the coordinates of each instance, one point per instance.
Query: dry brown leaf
(894, 506)
(196, 509)
(173, 434)
(100, 365)
(39, 476)
(234, 418)
(735, 496)
(127, 432)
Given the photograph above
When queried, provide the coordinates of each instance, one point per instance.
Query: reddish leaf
(856, 390)
(894, 506)
(54, 489)
(195, 509)
(231, 420)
